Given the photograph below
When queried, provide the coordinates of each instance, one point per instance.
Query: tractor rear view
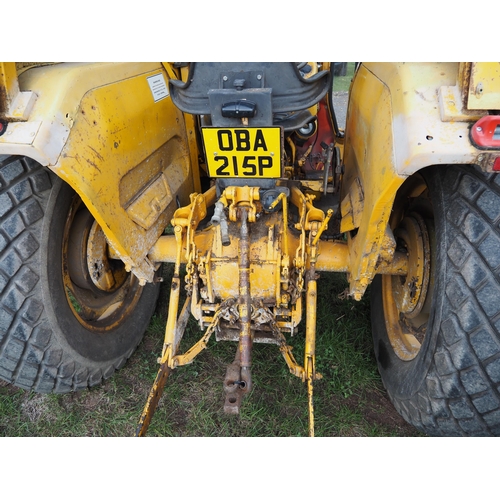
(239, 175)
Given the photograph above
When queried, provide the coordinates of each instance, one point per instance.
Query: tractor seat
(265, 93)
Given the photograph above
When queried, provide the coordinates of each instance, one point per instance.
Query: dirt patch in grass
(6, 388)
(380, 414)
(36, 408)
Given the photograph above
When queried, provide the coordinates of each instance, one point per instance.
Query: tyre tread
(29, 358)
(461, 395)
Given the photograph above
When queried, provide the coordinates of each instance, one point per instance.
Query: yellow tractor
(239, 175)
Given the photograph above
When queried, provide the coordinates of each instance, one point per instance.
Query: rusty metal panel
(14, 105)
(484, 87)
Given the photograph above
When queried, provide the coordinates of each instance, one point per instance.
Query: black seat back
(277, 92)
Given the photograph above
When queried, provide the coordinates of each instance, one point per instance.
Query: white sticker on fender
(158, 87)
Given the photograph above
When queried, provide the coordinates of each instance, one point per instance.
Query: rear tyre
(69, 317)
(439, 354)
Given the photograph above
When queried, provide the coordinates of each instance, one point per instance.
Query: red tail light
(485, 133)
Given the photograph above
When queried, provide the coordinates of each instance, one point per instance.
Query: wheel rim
(100, 292)
(407, 300)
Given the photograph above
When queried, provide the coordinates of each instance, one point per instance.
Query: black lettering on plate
(242, 140)
(260, 143)
(249, 169)
(220, 170)
(225, 138)
(264, 162)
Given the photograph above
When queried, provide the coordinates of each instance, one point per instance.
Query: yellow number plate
(243, 152)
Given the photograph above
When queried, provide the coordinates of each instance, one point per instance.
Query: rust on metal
(238, 379)
(406, 299)
(410, 292)
(234, 387)
(333, 256)
(153, 398)
(244, 298)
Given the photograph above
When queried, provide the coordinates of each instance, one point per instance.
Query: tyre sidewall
(402, 379)
(92, 349)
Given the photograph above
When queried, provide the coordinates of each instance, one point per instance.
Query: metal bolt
(479, 129)
(224, 78)
(259, 77)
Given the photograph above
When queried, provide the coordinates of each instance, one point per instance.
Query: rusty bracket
(235, 386)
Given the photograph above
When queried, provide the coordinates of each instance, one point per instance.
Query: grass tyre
(447, 384)
(59, 331)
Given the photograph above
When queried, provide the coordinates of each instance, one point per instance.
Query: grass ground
(349, 400)
(342, 83)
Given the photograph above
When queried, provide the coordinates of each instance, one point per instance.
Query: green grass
(349, 400)
(342, 83)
